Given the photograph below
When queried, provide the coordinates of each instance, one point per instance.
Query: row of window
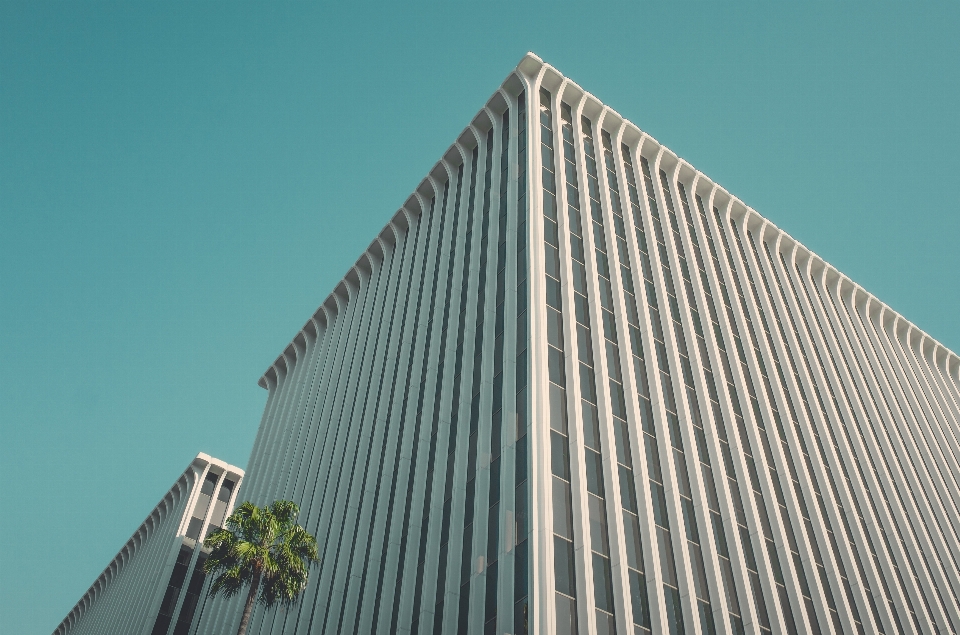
(488, 542)
(185, 557)
(425, 360)
(589, 392)
(564, 571)
(521, 585)
(335, 453)
(753, 441)
(629, 501)
(919, 588)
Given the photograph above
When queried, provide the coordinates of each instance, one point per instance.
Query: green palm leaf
(262, 548)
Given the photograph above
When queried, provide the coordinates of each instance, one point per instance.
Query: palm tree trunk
(248, 608)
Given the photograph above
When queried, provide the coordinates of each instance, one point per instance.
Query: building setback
(574, 386)
(154, 585)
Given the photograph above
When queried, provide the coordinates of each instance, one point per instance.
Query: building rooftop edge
(531, 67)
(199, 462)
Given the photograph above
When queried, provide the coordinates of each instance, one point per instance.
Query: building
(153, 586)
(575, 386)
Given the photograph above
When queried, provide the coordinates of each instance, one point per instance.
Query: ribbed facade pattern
(575, 386)
(740, 439)
(398, 418)
(154, 584)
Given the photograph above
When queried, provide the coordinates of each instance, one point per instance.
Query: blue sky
(182, 184)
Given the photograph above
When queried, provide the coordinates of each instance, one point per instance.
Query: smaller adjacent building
(154, 585)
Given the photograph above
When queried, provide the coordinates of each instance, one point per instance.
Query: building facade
(575, 386)
(154, 584)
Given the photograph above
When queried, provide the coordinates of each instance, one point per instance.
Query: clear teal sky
(181, 185)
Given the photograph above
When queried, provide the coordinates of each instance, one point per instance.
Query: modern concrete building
(575, 386)
(153, 586)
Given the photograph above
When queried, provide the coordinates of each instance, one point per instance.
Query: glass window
(758, 599)
(209, 483)
(668, 567)
(520, 468)
(468, 506)
(591, 425)
(520, 516)
(617, 403)
(520, 572)
(689, 519)
(564, 572)
(576, 250)
(636, 345)
(627, 493)
(579, 278)
(162, 624)
(571, 173)
(602, 586)
(621, 437)
(748, 549)
(630, 301)
(555, 363)
(588, 387)
(701, 442)
(521, 319)
(646, 413)
(203, 502)
(549, 202)
(699, 573)
(566, 615)
(594, 472)
(613, 359)
(192, 597)
(445, 522)
(680, 467)
(225, 490)
(581, 309)
(638, 597)
(659, 504)
(560, 460)
(606, 291)
(554, 328)
(610, 332)
(490, 605)
(584, 346)
(653, 458)
(726, 572)
(193, 530)
(562, 511)
(495, 481)
(546, 156)
(662, 356)
(551, 232)
(521, 384)
(674, 610)
(598, 525)
(631, 531)
(558, 408)
(603, 267)
(673, 421)
(553, 294)
(552, 259)
(606, 624)
(219, 514)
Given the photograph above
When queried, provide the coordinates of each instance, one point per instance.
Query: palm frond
(265, 541)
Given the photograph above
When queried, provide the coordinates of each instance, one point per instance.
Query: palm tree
(265, 548)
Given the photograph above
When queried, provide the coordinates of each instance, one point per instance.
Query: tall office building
(575, 386)
(154, 584)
